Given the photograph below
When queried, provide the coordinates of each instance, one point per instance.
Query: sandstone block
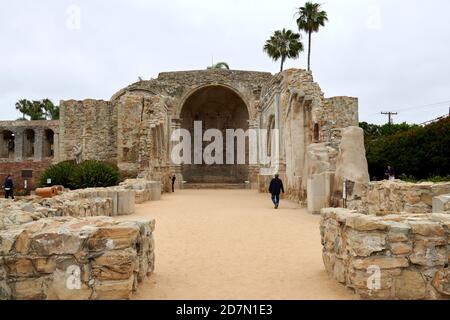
(114, 290)
(114, 265)
(383, 262)
(410, 285)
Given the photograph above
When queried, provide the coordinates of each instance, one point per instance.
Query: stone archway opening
(217, 107)
(28, 143)
(48, 142)
(7, 144)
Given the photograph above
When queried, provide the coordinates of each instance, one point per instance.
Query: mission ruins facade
(134, 129)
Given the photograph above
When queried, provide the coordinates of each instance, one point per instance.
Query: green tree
(310, 19)
(282, 45)
(37, 109)
(220, 65)
(51, 111)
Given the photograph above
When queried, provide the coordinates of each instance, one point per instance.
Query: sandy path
(232, 244)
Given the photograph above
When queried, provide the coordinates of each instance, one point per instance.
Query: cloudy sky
(392, 54)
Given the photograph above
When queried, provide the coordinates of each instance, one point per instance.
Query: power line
(390, 114)
(434, 105)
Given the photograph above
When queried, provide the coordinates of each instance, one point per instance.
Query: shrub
(90, 174)
(416, 153)
(59, 174)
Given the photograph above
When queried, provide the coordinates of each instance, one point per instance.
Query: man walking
(275, 188)
(174, 178)
(9, 187)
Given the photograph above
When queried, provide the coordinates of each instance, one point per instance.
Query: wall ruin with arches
(134, 128)
(27, 148)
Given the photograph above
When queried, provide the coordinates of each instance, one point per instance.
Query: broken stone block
(410, 285)
(319, 190)
(113, 290)
(114, 265)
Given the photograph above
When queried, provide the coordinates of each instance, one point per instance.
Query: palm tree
(23, 107)
(51, 111)
(311, 18)
(283, 44)
(220, 65)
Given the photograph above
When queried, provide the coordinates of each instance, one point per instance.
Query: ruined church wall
(93, 125)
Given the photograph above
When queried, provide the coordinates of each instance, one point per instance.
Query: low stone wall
(390, 197)
(68, 258)
(401, 256)
(145, 190)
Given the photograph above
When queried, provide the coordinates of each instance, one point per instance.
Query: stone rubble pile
(69, 258)
(390, 197)
(403, 256)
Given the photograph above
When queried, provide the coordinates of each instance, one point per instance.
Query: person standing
(275, 189)
(9, 187)
(390, 173)
(174, 178)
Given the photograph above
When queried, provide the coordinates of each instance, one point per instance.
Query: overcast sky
(391, 54)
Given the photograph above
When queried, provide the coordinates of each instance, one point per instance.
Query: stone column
(253, 168)
(38, 143)
(56, 147)
(281, 158)
(18, 144)
(175, 168)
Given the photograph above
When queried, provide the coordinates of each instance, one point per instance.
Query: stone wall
(91, 124)
(311, 128)
(391, 257)
(67, 258)
(388, 197)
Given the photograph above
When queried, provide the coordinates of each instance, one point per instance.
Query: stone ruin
(70, 247)
(393, 244)
(134, 128)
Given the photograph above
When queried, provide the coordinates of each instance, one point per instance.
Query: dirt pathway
(232, 244)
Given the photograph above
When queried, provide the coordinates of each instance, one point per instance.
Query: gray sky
(392, 54)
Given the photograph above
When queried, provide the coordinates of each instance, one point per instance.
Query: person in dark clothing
(390, 173)
(174, 178)
(275, 188)
(9, 187)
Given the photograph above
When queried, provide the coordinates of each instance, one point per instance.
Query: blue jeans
(276, 199)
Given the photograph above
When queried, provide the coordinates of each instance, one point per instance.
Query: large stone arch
(218, 107)
(189, 93)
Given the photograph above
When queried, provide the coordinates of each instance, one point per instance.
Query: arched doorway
(7, 144)
(217, 107)
(48, 143)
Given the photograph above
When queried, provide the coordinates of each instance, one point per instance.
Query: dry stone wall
(67, 258)
(388, 257)
(390, 197)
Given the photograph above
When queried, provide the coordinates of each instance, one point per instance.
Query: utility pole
(390, 114)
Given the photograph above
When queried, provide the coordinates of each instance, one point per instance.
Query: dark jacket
(276, 186)
(174, 179)
(9, 183)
